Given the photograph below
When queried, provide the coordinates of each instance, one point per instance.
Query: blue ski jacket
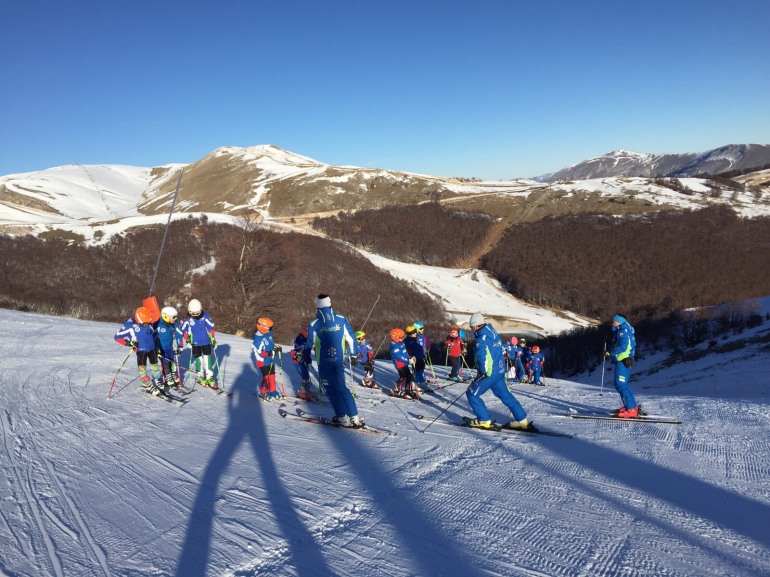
(414, 348)
(169, 335)
(399, 354)
(197, 329)
(142, 335)
(331, 337)
(489, 352)
(263, 348)
(624, 342)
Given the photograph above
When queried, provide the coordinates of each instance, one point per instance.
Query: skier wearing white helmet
(198, 333)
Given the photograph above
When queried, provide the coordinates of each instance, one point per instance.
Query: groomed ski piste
(224, 486)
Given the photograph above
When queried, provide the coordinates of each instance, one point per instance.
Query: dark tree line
(649, 266)
(423, 234)
(250, 273)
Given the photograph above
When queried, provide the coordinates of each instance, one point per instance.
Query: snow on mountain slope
(464, 292)
(131, 486)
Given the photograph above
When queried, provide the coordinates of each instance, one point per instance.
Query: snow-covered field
(133, 486)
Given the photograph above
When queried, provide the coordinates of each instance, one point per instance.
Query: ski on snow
(301, 415)
(168, 397)
(642, 418)
(497, 428)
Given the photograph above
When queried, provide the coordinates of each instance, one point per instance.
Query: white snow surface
(223, 486)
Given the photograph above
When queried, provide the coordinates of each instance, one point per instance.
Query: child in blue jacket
(198, 333)
(139, 334)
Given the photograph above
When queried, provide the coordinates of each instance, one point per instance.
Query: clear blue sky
(493, 89)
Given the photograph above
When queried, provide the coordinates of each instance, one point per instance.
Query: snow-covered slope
(131, 486)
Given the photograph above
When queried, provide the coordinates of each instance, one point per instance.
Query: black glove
(277, 348)
(353, 361)
(628, 362)
(133, 344)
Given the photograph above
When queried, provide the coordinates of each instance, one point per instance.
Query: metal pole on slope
(370, 313)
(165, 232)
(457, 398)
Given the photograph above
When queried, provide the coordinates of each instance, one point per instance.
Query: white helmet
(169, 314)
(195, 307)
(477, 319)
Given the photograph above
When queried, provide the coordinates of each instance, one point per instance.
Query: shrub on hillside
(647, 266)
(424, 233)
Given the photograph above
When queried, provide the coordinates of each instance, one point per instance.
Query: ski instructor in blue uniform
(332, 338)
(622, 352)
(491, 366)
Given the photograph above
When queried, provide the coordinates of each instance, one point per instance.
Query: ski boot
(476, 424)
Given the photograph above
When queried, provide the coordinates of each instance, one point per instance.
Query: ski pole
(216, 361)
(370, 313)
(280, 373)
(115, 378)
(457, 398)
(604, 360)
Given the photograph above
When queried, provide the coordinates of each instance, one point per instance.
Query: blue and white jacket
(332, 338)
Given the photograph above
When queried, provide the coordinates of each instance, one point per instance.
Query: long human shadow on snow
(246, 424)
(724, 508)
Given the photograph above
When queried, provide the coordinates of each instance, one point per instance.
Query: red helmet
(303, 330)
(514, 341)
(397, 335)
(535, 349)
(143, 315)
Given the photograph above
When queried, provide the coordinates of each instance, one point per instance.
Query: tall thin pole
(165, 232)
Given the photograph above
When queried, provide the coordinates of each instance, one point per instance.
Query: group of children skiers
(158, 344)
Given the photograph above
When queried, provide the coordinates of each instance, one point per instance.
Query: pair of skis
(301, 415)
(642, 418)
(496, 427)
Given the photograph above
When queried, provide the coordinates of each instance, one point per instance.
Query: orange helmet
(143, 315)
(303, 330)
(535, 349)
(397, 335)
(264, 325)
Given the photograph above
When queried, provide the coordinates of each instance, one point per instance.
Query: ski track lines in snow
(132, 486)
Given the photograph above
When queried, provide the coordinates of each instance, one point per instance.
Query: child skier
(169, 337)
(455, 348)
(301, 359)
(535, 366)
(404, 387)
(265, 349)
(424, 340)
(198, 333)
(515, 368)
(416, 355)
(366, 357)
(525, 355)
(139, 334)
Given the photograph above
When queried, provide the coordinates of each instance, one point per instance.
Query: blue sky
(493, 89)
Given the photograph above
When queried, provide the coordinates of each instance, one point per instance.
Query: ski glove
(628, 362)
(133, 344)
(353, 361)
(299, 357)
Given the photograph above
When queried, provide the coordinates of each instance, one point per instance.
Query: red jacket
(456, 346)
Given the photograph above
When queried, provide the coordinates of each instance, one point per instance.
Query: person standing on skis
(139, 334)
(265, 350)
(455, 348)
(169, 337)
(404, 387)
(622, 353)
(490, 365)
(535, 366)
(301, 358)
(198, 333)
(366, 357)
(331, 337)
(416, 355)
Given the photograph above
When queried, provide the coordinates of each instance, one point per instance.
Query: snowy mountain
(624, 163)
(128, 485)
(87, 200)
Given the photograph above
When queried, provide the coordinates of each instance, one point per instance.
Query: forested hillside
(421, 233)
(647, 266)
(250, 273)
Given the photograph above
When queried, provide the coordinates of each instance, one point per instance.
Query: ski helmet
(303, 330)
(411, 329)
(264, 325)
(514, 341)
(477, 319)
(420, 327)
(453, 332)
(397, 335)
(143, 316)
(195, 308)
(360, 335)
(169, 314)
(535, 349)
(523, 342)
